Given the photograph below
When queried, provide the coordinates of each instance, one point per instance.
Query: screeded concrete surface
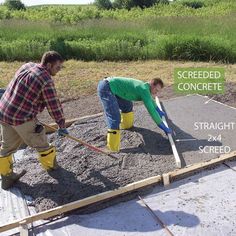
(183, 112)
(203, 204)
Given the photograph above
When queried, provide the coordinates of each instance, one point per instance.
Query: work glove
(62, 132)
(161, 113)
(164, 128)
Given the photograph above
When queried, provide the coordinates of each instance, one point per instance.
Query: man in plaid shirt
(31, 90)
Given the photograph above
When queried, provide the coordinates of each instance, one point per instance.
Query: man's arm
(154, 103)
(53, 104)
(149, 104)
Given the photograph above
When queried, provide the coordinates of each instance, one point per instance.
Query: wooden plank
(82, 203)
(69, 122)
(114, 193)
(201, 165)
(173, 147)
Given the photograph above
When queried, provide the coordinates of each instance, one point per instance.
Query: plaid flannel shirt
(31, 90)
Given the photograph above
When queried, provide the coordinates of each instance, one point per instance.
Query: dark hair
(157, 81)
(51, 57)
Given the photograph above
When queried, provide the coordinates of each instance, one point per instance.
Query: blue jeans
(112, 105)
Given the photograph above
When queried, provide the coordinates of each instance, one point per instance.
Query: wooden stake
(157, 218)
(23, 228)
(173, 147)
(166, 179)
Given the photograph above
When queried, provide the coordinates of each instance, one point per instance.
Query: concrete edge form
(113, 193)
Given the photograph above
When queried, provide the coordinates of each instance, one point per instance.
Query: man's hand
(62, 131)
(164, 128)
(161, 113)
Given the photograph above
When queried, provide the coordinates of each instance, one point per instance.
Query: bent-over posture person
(117, 94)
(31, 90)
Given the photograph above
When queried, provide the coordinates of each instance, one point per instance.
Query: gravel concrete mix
(145, 152)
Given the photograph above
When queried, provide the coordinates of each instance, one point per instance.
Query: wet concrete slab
(206, 129)
(145, 152)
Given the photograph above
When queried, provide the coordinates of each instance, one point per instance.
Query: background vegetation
(182, 30)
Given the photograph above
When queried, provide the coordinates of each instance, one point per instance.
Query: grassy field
(79, 78)
(165, 32)
(74, 13)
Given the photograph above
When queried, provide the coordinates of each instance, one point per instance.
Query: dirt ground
(91, 105)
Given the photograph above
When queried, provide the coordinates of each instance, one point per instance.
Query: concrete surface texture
(203, 204)
(145, 152)
(192, 118)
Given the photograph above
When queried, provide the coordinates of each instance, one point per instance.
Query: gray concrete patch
(183, 112)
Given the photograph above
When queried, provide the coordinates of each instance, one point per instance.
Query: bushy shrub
(14, 5)
(193, 4)
(103, 4)
(128, 4)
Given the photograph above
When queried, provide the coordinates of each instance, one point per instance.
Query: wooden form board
(82, 203)
(201, 165)
(117, 192)
(172, 143)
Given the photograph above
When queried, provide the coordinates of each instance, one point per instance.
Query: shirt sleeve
(154, 103)
(151, 107)
(53, 104)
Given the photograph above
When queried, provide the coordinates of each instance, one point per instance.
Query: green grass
(168, 32)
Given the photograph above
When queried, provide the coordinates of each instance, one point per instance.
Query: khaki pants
(14, 136)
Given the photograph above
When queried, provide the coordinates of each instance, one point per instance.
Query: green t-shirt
(135, 90)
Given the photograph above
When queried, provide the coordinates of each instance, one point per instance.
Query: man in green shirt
(117, 93)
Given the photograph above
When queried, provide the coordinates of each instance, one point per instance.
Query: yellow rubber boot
(7, 174)
(113, 140)
(48, 158)
(6, 165)
(127, 120)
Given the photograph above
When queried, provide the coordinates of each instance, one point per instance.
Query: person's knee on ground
(7, 174)
(47, 158)
(127, 120)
